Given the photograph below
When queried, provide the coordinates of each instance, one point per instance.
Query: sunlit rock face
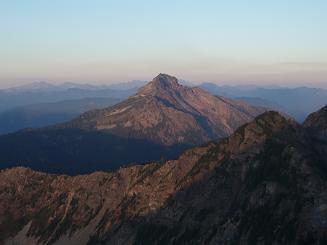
(166, 112)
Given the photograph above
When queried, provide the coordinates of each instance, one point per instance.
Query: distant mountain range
(18, 101)
(265, 184)
(296, 102)
(46, 86)
(162, 119)
(41, 104)
(44, 114)
(39, 93)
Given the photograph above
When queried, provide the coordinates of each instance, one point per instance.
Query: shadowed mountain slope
(76, 151)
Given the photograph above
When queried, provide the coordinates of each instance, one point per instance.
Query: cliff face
(168, 113)
(265, 184)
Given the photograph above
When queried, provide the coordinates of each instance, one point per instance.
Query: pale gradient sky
(103, 41)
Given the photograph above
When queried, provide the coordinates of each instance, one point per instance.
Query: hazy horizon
(191, 83)
(230, 43)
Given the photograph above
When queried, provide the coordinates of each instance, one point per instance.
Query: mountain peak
(165, 80)
(165, 112)
(268, 124)
(159, 83)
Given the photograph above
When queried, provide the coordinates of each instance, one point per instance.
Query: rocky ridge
(265, 184)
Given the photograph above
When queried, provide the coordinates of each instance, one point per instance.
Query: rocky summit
(265, 184)
(165, 112)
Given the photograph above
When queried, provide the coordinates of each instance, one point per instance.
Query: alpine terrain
(264, 184)
(159, 122)
(166, 112)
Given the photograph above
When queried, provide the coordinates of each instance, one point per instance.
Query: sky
(275, 42)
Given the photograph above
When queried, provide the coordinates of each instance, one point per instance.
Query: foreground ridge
(263, 184)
